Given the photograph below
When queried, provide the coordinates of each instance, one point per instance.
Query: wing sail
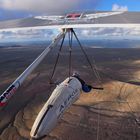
(75, 20)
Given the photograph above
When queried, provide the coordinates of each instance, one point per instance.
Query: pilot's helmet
(75, 74)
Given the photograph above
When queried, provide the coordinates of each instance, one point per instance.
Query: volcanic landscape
(111, 114)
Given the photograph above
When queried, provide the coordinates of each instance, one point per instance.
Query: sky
(131, 5)
(12, 9)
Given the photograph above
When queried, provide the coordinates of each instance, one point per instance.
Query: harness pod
(61, 99)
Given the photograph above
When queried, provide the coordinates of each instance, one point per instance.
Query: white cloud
(44, 5)
(116, 7)
(83, 33)
(108, 32)
(28, 34)
(1, 36)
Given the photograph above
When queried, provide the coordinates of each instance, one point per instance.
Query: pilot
(63, 96)
(85, 87)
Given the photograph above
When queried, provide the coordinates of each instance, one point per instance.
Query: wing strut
(70, 38)
(93, 67)
(57, 59)
(10, 91)
(72, 33)
(70, 52)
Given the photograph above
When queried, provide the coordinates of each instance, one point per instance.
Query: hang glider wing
(74, 20)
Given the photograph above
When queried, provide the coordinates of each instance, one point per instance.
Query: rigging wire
(130, 108)
(93, 68)
(98, 123)
(133, 115)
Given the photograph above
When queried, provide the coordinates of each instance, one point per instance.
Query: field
(111, 114)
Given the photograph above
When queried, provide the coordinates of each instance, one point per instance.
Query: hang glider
(72, 86)
(74, 20)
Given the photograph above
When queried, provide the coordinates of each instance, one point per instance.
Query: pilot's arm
(85, 87)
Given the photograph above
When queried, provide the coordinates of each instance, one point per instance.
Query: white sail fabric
(79, 20)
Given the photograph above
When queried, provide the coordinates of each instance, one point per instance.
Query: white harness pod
(62, 97)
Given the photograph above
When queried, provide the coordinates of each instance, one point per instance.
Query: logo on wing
(7, 94)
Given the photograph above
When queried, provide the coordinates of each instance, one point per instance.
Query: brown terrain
(111, 114)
